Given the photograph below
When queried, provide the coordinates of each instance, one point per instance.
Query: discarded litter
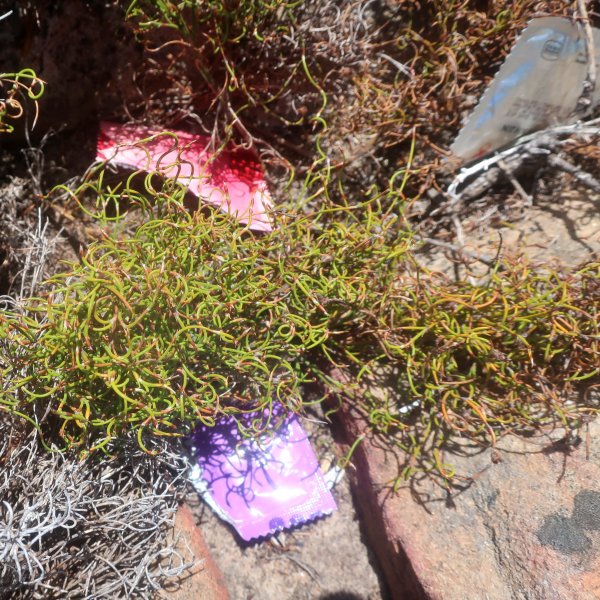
(260, 486)
(538, 86)
(233, 180)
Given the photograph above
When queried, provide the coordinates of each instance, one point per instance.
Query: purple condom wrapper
(264, 485)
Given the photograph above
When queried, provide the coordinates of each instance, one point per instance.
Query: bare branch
(564, 165)
(584, 102)
(535, 148)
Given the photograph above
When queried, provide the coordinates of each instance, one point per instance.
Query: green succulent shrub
(176, 317)
(190, 316)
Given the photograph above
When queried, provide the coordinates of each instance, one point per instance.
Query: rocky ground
(523, 521)
(329, 559)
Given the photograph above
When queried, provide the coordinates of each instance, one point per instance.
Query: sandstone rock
(524, 527)
(205, 580)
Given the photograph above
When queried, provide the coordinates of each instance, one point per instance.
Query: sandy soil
(562, 229)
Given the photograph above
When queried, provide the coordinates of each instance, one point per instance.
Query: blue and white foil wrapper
(538, 86)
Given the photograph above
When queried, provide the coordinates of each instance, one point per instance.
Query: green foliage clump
(176, 317)
(220, 21)
(191, 317)
(509, 355)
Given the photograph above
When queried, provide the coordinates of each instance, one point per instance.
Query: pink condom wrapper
(260, 486)
(233, 180)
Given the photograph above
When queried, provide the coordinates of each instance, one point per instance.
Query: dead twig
(584, 102)
(516, 184)
(486, 259)
(534, 150)
(313, 574)
(564, 165)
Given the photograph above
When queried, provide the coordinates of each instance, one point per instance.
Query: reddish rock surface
(205, 580)
(526, 527)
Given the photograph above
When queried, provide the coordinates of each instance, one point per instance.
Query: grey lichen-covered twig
(93, 528)
(39, 248)
(564, 165)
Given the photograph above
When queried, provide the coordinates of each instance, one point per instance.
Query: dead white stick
(515, 183)
(589, 85)
(541, 142)
(586, 178)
